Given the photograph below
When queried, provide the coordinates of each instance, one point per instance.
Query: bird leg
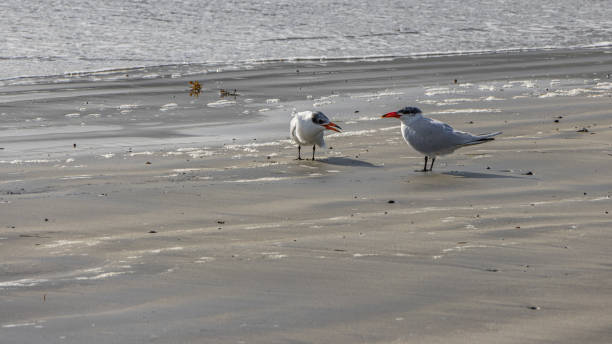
(432, 162)
(299, 156)
(313, 150)
(424, 167)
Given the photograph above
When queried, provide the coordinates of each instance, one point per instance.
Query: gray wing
(432, 137)
(293, 128)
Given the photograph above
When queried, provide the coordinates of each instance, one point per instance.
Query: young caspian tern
(432, 137)
(307, 129)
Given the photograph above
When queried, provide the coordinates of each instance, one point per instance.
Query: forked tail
(478, 139)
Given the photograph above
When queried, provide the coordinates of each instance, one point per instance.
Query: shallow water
(52, 38)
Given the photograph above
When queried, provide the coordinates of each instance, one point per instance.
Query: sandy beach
(178, 219)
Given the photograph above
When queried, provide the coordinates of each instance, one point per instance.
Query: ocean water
(55, 37)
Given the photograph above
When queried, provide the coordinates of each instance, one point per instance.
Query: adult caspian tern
(432, 137)
(307, 128)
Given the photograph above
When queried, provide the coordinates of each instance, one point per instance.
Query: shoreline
(158, 112)
(249, 64)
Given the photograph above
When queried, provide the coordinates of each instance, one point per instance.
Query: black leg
(299, 151)
(432, 162)
(425, 167)
(313, 150)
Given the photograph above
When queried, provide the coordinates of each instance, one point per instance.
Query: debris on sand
(228, 93)
(583, 130)
(196, 89)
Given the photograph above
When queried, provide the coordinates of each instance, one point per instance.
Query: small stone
(488, 167)
(152, 231)
(390, 201)
(534, 308)
(529, 173)
(492, 269)
(46, 220)
(583, 130)
(556, 121)
(148, 163)
(221, 222)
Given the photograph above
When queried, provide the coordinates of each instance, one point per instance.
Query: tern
(307, 129)
(431, 137)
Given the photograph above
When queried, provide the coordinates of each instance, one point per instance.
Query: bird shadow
(344, 161)
(466, 174)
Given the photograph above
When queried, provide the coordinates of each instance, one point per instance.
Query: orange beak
(391, 114)
(332, 126)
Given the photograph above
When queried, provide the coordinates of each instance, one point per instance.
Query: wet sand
(193, 223)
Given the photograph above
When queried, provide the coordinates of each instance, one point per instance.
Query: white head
(321, 122)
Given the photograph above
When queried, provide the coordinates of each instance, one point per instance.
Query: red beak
(332, 126)
(391, 114)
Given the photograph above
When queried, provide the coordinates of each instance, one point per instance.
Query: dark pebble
(528, 173)
(492, 270)
(556, 121)
(221, 222)
(390, 201)
(534, 308)
(152, 232)
(46, 219)
(148, 163)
